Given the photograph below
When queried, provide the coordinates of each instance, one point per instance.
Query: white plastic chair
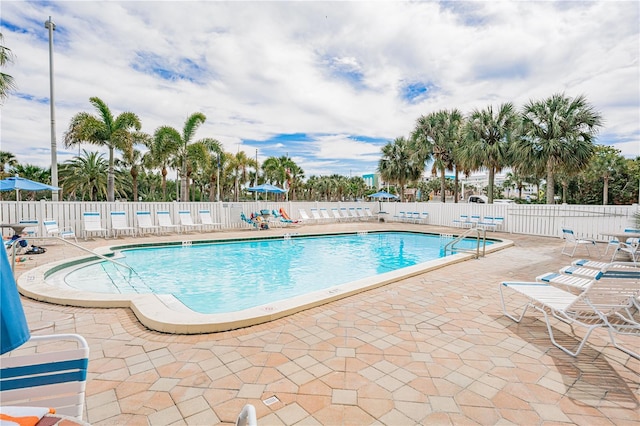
(303, 214)
(571, 242)
(186, 221)
(164, 221)
(206, 220)
(119, 223)
(46, 378)
(53, 230)
(145, 222)
(92, 222)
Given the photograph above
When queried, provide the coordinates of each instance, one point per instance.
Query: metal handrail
(103, 257)
(480, 234)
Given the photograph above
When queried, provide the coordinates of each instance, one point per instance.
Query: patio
(431, 349)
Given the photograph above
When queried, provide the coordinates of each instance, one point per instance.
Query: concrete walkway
(431, 349)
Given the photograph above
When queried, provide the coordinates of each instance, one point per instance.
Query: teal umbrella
(14, 330)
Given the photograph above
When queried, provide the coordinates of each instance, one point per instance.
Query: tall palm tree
(488, 137)
(240, 163)
(400, 164)
(85, 175)
(165, 146)
(437, 135)
(7, 159)
(213, 166)
(104, 130)
(558, 131)
(605, 163)
(7, 83)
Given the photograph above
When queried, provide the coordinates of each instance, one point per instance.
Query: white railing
(533, 219)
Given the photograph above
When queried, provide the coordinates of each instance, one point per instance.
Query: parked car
(482, 199)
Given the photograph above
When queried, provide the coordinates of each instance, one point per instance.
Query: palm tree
(213, 166)
(605, 163)
(104, 130)
(558, 131)
(36, 173)
(85, 175)
(488, 136)
(164, 147)
(400, 164)
(7, 83)
(6, 159)
(437, 135)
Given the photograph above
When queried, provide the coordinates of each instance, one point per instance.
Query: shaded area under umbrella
(16, 183)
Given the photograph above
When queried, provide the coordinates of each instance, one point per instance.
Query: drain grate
(271, 400)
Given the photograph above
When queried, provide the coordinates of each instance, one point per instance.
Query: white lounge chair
(324, 214)
(47, 377)
(344, 213)
(603, 303)
(353, 214)
(206, 220)
(336, 214)
(53, 230)
(315, 215)
(303, 214)
(91, 222)
(571, 242)
(369, 214)
(186, 222)
(361, 214)
(145, 222)
(30, 227)
(164, 221)
(631, 247)
(120, 224)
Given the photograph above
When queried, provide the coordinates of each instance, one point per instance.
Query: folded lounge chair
(206, 220)
(604, 302)
(53, 230)
(185, 220)
(164, 221)
(119, 223)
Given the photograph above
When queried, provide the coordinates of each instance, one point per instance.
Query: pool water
(232, 276)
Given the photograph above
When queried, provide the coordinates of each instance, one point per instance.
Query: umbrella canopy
(22, 184)
(14, 330)
(266, 188)
(383, 195)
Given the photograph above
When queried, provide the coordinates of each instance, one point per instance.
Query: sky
(326, 83)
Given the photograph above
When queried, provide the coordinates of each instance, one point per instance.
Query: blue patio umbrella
(266, 188)
(14, 330)
(16, 183)
(383, 195)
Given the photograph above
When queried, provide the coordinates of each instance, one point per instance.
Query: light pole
(256, 173)
(54, 155)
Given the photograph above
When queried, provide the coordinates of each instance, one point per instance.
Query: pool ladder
(481, 241)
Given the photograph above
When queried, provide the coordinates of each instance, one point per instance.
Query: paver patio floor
(431, 349)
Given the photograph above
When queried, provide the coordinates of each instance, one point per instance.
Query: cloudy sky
(328, 83)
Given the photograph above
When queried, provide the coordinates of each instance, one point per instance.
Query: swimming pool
(232, 276)
(378, 258)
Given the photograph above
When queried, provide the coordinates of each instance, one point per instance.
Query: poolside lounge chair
(605, 302)
(315, 215)
(186, 222)
(31, 227)
(361, 214)
(206, 220)
(53, 230)
(281, 220)
(336, 214)
(119, 223)
(164, 221)
(324, 213)
(353, 214)
(286, 216)
(145, 223)
(254, 220)
(304, 215)
(344, 213)
(571, 242)
(92, 222)
(50, 378)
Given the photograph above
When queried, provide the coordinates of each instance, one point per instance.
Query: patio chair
(145, 222)
(604, 302)
(206, 220)
(91, 222)
(369, 214)
(571, 242)
(344, 213)
(631, 247)
(353, 214)
(286, 216)
(30, 227)
(361, 214)
(164, 221)
(119, 223)
(336, 214)
(46, 377)
(324, 214)
(186, 222)
(53, 230)
(315, 215)
(304, 215)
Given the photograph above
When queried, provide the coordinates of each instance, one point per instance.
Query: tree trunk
(492, 177)
(164, 183)
(456, 195)
(443, 186)
(550, 182)
(605, 192)
(110, 178)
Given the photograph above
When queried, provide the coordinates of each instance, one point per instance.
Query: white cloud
(330, 70)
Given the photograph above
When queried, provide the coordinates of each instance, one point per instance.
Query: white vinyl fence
(533, 219)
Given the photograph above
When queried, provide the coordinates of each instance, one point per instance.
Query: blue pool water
(231, 276)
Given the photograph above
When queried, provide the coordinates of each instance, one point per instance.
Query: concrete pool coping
(166, 314)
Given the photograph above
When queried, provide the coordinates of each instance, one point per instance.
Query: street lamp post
(54, 155)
